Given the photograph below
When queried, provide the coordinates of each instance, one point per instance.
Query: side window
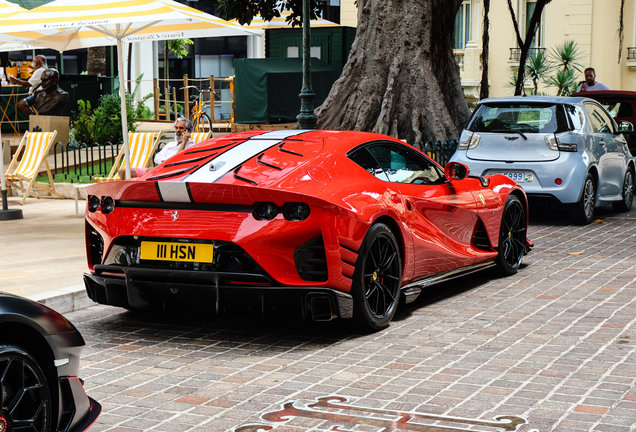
(597, 121)
(403, 165)
(601, 122)
(363, 158)
(608, 124)
(576, 116)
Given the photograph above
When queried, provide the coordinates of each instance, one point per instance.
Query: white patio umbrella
(71, 24)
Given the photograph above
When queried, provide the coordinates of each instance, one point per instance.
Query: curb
(64, 300)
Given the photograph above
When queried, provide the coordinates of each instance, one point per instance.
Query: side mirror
(456, 171)
(625, 126)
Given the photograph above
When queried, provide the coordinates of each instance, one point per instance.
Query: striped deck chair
(25, 165)
(142, 148)
(198, 137)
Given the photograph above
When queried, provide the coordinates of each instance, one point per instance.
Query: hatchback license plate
(518, 176)
(188, 252)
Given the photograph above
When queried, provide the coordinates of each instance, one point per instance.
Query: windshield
(515, 117)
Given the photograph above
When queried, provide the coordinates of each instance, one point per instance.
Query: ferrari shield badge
(481, 197)
(343, 417)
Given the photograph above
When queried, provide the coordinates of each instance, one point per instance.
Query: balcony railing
(515, 53)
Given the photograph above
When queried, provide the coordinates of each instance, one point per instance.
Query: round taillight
(558, 181)
(93, 203)
(296, 211)
(265, 211)
(108, 205)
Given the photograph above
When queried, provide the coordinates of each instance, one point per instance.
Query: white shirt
(596, 87)
(35, 80)
(170, 150)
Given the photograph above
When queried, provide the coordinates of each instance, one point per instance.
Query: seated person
(182, 141)
(33, 84)
(50, 99)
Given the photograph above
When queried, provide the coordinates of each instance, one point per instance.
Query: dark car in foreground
(39, 364)
(563, 149)
(621, 105)
(328, 223)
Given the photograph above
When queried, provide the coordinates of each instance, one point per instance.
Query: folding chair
(34, 148)
(142, 148)
(198, 137)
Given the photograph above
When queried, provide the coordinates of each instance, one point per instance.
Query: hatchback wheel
(625, 204)
(582, 212)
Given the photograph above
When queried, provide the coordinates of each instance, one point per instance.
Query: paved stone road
(553, 346)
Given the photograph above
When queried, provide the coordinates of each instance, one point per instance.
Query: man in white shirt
(182, 141)
(590, 83)
(33, 84)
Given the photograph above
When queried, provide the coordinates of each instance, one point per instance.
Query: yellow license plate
(188, 252)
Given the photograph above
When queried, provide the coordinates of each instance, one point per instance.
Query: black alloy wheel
(25, 402)
(582, 212)
(377, 278)
(512, 237)
(625, 204)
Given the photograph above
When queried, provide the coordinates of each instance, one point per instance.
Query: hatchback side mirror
(625, 126)
(456, 171)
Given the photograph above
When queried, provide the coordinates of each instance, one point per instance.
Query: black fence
(439, 151)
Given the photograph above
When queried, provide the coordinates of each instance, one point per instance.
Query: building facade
(592, 24)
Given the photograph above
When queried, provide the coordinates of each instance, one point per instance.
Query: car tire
(26, 399)
(377, 279)
(512, 237)
(582, 212)
(625, 204)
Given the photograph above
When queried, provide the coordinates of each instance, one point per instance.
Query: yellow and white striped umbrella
(70, 24)
(7, 10)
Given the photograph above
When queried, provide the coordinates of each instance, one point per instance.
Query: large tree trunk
(401, 78)
(96, 61)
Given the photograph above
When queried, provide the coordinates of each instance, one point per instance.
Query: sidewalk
(43, 256)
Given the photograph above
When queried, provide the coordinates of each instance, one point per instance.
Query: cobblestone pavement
(553, 346)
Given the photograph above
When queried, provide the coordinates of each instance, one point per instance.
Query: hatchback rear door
(516, 132)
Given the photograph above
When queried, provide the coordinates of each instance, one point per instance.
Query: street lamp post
(307, 118)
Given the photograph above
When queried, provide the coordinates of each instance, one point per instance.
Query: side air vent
(311, 261)
(480, 239)
(96, 246)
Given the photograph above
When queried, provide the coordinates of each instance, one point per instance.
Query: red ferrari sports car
(335, 224)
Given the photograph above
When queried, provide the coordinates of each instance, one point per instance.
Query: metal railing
(439, 151)
(515, 53)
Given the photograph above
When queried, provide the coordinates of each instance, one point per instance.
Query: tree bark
(96, 61)
(401, 78)
(485, 43)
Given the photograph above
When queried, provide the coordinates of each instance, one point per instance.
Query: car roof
(530, 99)
(610, 94)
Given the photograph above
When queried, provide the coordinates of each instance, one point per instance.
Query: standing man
(33, 84)
(590, 83)
(182, 141)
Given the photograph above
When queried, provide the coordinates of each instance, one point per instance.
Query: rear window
(527, 118)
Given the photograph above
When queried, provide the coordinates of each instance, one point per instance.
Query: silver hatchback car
(558, 148)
